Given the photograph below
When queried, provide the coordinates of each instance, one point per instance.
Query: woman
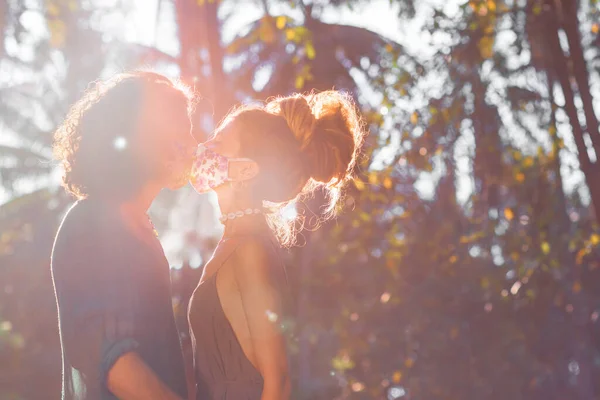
(275, 153)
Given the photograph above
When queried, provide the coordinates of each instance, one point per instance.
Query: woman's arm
(131, 379)
(258, 281)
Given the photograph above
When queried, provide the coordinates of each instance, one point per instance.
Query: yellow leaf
(200, 2)
(342, 362)
(387, 182)
(595, 28)
(528, 162)
(491, 4)
(365, 216)
(453, 259)
(409, 362)
(579, 256)
(299, 82)
(576, 287)
(373, 179)
(310, 50)
(508, 214)
(389, 48)
(360, 185)
(280, 22)
(397, 377)
(486, 47)
(545, 246)
(414, 118)
(595, 239)
(520, 177)
(290, 34)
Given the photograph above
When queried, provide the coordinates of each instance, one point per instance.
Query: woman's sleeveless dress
(222, 370)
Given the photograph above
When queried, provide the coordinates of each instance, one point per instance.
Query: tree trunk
(570, 24)
(558, 59)
(220, 91)
(579, 340)
(187, 15)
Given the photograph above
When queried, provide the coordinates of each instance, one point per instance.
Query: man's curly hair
(93, 141)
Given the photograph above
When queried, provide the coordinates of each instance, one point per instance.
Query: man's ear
(243, 170)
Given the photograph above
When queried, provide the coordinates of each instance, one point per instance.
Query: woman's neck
(246, 224)
(254, 224)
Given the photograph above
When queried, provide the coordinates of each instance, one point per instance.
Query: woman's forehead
(227, 138)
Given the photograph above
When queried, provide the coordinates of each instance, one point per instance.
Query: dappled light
(464, 262)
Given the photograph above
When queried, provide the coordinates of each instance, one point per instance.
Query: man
(120, 145)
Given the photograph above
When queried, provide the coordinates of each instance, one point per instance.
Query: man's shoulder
(86, 218)
(86, 225)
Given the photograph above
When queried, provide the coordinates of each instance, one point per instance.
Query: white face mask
(211, 170)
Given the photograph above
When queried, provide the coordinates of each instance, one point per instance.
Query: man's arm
(131, 379)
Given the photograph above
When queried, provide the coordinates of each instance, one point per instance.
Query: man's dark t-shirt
(113, 295)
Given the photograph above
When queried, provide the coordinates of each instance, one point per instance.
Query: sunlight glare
(289, 212)
(120, 143)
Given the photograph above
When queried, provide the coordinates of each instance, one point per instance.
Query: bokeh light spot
(515, 287)
(396, 392)
(5, 326)
(358, 387)
(271, 316)
(385, 297)
(120, 143)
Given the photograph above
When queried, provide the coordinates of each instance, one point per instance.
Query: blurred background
(465, 262)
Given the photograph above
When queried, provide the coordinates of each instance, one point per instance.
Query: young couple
(120, 145)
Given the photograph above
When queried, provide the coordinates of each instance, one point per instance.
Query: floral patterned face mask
(211, 170)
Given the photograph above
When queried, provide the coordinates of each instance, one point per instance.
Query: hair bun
(329, 130)
(298, 114)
